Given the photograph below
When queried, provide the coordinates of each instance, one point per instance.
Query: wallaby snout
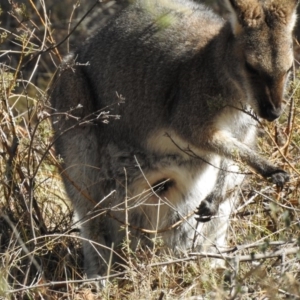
(271, 113)
(271, 105)
(271, 99)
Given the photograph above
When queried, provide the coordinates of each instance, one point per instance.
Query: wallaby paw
(206, 209)
(280, 178)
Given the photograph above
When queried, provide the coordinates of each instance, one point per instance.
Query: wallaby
(155, 113)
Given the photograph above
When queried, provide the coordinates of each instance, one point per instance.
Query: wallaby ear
(244, 13)
(282, 13)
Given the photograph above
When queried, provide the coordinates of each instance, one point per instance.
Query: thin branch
(55, 284)
(250, 257)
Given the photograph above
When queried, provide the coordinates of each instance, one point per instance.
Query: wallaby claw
(280, 178)
(206, 210)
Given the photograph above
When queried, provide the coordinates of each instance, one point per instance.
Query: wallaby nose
(273, 113)
(269, 111)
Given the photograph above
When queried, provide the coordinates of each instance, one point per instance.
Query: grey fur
(187, 77)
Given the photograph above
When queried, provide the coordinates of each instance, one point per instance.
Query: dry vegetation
(40, 250)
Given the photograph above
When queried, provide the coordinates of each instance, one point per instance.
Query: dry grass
(40, 249)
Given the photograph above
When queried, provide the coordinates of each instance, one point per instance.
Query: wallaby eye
(250, 69)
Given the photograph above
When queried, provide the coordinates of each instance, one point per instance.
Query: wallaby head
(263, 45)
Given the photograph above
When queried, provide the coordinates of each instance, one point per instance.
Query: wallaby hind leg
(83, 179)
(76, 141)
